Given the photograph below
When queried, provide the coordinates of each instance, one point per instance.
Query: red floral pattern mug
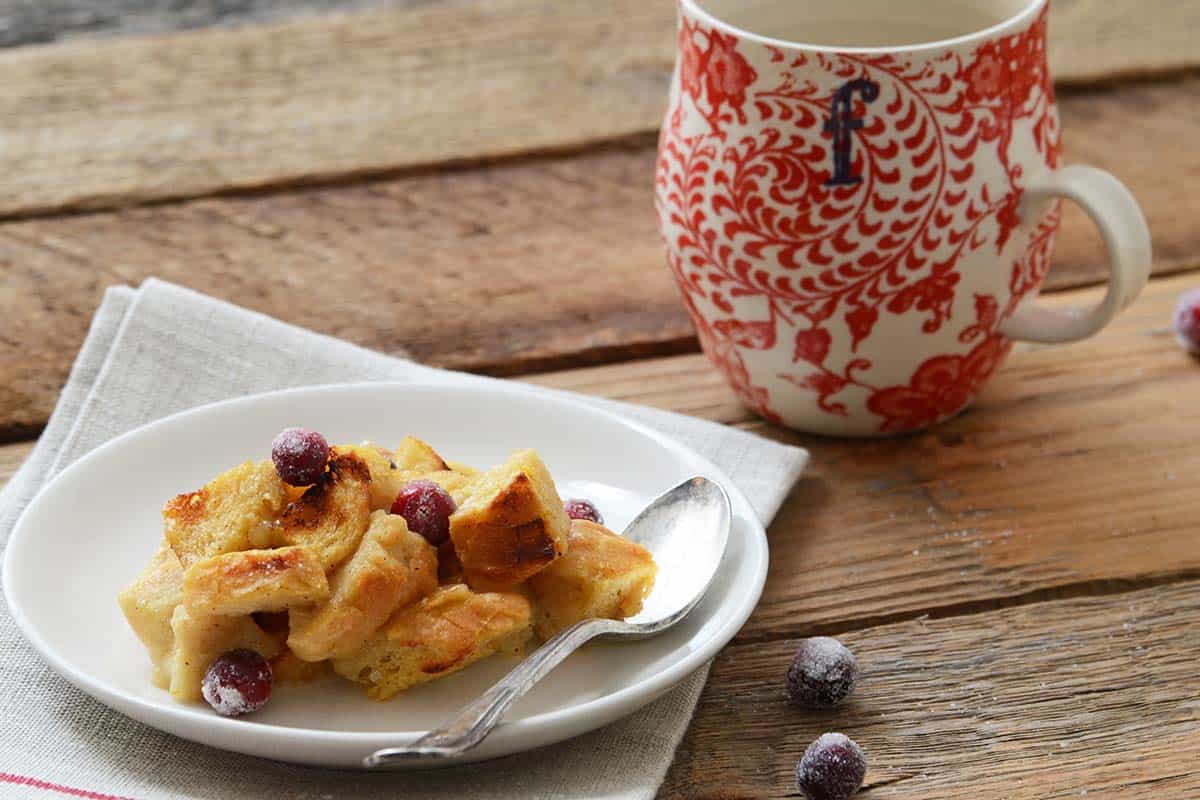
(859, 234)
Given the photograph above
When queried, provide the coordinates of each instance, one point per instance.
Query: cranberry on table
(577, 508)
(426, 507)
(822, 673)
(832, 768)
(1187, 321)
(237, 683)
(300, 456)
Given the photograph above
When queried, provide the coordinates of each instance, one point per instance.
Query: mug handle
(1126, 237)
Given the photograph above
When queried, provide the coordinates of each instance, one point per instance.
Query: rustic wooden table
(469, 182)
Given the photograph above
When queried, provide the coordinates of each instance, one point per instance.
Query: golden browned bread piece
(200, 638)
(230, 513)
(443, 633)
(512, 523)
(457, 484)
(392, 568)
(416, 461)
(464, 469)
(331, 516)
(148, 604)
(255, 580)
(287, 668)
(603, 575)
(386, 475)
(413, 455)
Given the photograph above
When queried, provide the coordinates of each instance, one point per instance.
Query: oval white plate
(90, 531)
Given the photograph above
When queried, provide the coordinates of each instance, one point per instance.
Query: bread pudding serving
(386, 568)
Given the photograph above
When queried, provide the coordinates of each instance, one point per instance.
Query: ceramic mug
(860, 232)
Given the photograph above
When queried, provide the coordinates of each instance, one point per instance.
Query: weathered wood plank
(1073, 473)
(1099, 40)
(93, 124)
(104, 123)
(505, 269)
(26, 22)
(1091, 697)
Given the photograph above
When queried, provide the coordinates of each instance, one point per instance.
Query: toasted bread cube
(226, 514)
(392, 568)
(148, 604)
(512, 523)
(200, 638)
(457, 484)
(331, 517)
(386, 475)
(443, 633)
(255, 580)
(413, 455)
(602, 576)
(464, 469)
(289, 669)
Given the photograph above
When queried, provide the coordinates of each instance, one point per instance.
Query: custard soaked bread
(331, 516)
(390, 569)
(201, 638)
(148, 604)
(414, 455)
(386, 476)
(443, 633)
(255, 580)
(511, 523)
(603, 575)
(224, 516)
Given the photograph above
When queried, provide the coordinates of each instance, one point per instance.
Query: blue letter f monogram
(841, 123)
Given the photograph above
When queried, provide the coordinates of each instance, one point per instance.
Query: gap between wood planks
(1068, 478)
(112, 122)
(977, 514)
(1091, 696)
(506, 269)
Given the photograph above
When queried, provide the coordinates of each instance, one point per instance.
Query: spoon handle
(477, 719)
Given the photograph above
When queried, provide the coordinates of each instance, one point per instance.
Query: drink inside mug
(863, 23)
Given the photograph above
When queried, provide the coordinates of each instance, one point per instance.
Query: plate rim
(609, 707)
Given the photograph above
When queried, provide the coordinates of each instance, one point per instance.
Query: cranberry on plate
(426, 507)
(300, 456)
(237, 682)
(578, 508)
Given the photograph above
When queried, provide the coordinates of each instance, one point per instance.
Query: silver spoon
(686, 529)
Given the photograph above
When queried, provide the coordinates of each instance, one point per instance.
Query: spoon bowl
(686, 529)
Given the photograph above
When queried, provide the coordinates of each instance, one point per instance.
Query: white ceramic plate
(90, 531)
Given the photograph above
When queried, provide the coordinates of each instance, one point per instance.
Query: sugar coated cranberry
(237, 683)
(822, 674)
(832, 768)
(426, 507)
(583, 509)
(300, 456)
(1187, 321)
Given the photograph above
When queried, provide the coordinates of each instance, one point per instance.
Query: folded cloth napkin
(161, 349)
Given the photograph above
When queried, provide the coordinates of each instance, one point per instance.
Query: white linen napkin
(160, 349)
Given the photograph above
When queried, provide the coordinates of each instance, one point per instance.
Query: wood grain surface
(1062, 480)
(101, 123)
(1089, 697)
(1102, 40)
(26, 22)
(104, 123)
(509, 268)
(1018, 583)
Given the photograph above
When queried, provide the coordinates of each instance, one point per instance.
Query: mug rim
(1031, 9)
